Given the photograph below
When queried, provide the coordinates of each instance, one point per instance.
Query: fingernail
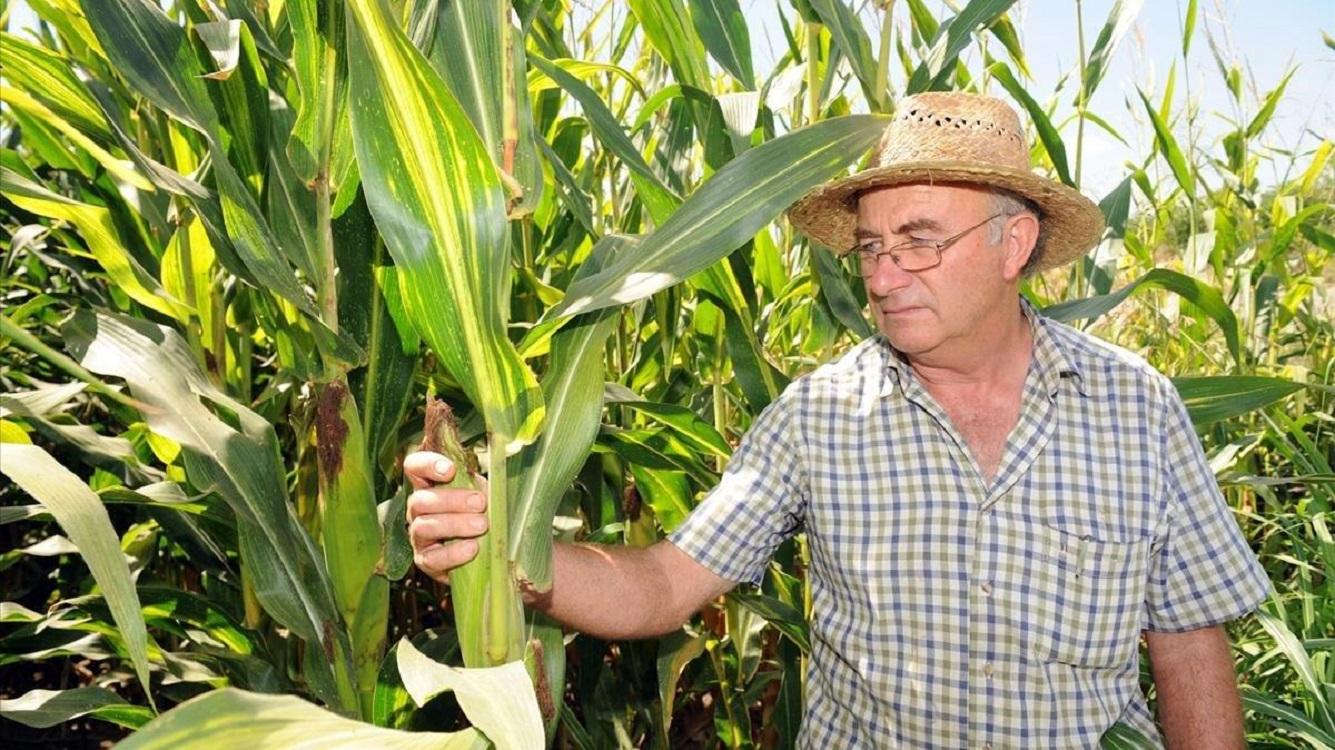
(442, 467)
(478, 524)
(476, 501)
(469, 546)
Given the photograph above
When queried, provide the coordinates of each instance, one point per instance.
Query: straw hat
(960, 138)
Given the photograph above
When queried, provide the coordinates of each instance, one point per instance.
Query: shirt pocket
(1098, 605)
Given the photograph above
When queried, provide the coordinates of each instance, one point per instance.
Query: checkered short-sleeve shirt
(950, 613)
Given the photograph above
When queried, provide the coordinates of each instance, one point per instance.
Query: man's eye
(921, 241)
(870, 248)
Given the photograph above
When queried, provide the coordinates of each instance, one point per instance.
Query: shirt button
(987, 746)
(987, 670)
(985, 587)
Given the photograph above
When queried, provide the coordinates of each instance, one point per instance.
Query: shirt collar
(1051, 358)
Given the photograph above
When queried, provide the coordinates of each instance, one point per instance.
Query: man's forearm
(611, 592)
(1197, 688)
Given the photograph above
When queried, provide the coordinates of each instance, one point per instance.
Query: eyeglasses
(914, 255)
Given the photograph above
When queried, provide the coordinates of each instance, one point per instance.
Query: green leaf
(1116, 207)
(675, 651)
(99, 232)
(657, 197)
(727, 210)
(468, 51)
(1293, 650)
(1188, 27)
(1214, 398)
(1286, 718)
(241, 465)
(49, 76)
(786, 618)
(848, 33)
(1120, 18)
(47, 708)
(834, 288)
(950, 40)
(573, 386)
(1167, 145)
(722, 28)
(84, 519)
(499, 701)
(1122, 736)
(1267, 109)
(1051, 139)
(664, 23)
(1204, 296)
(233, 719)
(437, 200)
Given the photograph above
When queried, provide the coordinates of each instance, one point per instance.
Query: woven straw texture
(953, 137)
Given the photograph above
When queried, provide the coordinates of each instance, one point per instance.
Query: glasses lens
(917, 257)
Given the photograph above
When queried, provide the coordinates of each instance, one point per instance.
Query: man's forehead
(917, 203)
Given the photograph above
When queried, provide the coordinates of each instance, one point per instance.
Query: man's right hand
(442, 521)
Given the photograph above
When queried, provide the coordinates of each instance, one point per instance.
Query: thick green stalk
(488, 611)
(503, 628)
(326, 287)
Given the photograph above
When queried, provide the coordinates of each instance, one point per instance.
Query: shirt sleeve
(758, 503)
(1202, 572)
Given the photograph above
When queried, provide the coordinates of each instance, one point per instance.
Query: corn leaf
(48, 76)
(573, 389)
(1120, 18)
(234, 719)
(99, 232)
(499, 701)
(1286, 718)
(727, 210)
(1051, 139)
(84, 519)
(848, 33)
(437, 201)
(657, 197)
(1267, 110)
(1217, 397)
(1167, 145)
(722, 28)
(1205, 297)
(951, 38)
(47, 708)
(664, 23)
(1122, 736)
(468, 52)
(153, 53)
(242, 466)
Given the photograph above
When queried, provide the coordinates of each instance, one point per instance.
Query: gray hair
(1008, 204)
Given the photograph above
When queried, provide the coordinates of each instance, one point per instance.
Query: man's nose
(887, 277)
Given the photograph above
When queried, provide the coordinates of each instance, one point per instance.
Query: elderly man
(997, 505)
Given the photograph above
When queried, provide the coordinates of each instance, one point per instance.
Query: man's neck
(995, 356)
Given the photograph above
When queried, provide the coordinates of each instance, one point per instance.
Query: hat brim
(1072, 224)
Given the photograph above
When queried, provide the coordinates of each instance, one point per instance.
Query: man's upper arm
(1203, 572)
(690, 585)
(759, 502)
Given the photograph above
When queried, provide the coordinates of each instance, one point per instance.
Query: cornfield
(246, 244)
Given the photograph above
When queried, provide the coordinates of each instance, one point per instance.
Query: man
(997, 505)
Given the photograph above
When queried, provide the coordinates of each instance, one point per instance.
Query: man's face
(937, 309)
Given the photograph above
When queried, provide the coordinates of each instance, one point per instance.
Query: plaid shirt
(947, 612)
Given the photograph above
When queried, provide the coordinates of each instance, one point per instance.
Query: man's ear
(1018, 240)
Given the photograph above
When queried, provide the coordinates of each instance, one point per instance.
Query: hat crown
(953, 127)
